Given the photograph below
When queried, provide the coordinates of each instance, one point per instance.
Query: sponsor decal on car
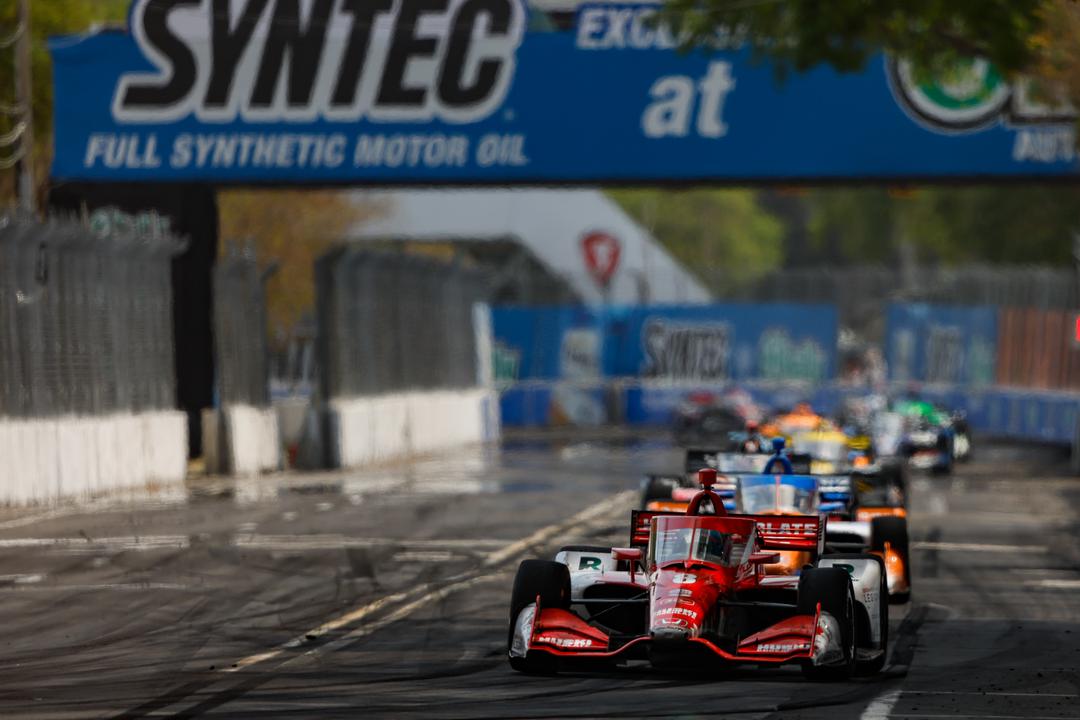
(563, 642)
(782, 647)
(789, 528)
(692, 614)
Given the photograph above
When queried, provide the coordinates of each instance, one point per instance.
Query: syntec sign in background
(340, 91)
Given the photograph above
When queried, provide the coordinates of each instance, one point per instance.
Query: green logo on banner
(966, 95)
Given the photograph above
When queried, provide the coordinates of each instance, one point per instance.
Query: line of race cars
(783, 540)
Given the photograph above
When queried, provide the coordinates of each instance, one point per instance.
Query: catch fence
(86, 323)
(241, 349)
(390, 322)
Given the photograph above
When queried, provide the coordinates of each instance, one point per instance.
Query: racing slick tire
(945, 447)
(550, 581)
(873, 667)
(862, 619)
(657, 488)
(831, 587)
(893, 530)
(962, 446)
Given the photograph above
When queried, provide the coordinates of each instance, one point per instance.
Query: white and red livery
(692, 588)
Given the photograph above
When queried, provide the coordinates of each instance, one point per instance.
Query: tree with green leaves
(800, 34)
(1032, 224)
(709, 230)
(47, 19)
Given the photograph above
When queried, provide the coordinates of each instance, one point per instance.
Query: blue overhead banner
(465, 91)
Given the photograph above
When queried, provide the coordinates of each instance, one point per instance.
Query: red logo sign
(601, 256)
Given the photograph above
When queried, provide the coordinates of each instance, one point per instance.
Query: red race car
(691, 588)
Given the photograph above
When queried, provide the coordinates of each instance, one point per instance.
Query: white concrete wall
(248, 443)
(366, 430)
(74, 458)
(255, 439)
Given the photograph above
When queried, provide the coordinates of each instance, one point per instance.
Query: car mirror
(629, 554)
(765, 558)
(632, 556)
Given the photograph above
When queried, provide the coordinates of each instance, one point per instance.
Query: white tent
(551, 224)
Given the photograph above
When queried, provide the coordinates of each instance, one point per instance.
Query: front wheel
(550, 582)
(831, 588)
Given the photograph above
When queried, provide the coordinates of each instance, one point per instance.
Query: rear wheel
(863, 631)
(550, 581)
(962, 446)
(657, 488)
(945, 447)
(831, 588)
(893, 530)
(873, 667)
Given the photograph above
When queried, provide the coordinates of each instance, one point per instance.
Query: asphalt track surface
(384, 594)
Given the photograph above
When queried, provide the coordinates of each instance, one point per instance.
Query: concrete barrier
(366, 430)
(75, 458)
(241, 440)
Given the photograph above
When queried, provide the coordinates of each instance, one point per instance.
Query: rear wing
(791, 532)
(730, 462)
(777, 532)
(836, 492)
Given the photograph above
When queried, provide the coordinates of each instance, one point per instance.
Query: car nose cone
(671, 635)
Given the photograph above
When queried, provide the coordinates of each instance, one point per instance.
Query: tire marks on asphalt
(396, 606)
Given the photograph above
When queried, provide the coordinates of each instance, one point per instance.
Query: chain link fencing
(86, 324)
(241, 348)
(390, 322)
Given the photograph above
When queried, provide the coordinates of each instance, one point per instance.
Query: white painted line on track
(1054, 584)
(972, 716)
(250, 541)
(431, 556)
(543, 535)
(84, 587)
(881, 706)
(978, 547)
(130, 542)
(997, 694)
(36, 518)
(336, 542)
(426, 593)
(404, 611)
(23, 578)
